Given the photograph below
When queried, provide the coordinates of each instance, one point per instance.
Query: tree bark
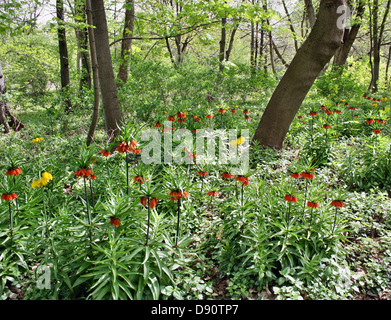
(377, 38)
(310, 12)
(291, 27)
(63, 50)
(222, 43)
(111, 110)
(126, 47)
(95, 74)
(349, 37)
(231, 41)
(5, 111)
(320, 46)
(387, 67)
(85, 79)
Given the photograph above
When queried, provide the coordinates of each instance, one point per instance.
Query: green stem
(92, 194)
(10, 214)
(242, 195)
(335, 219)
(127, 173)
(149, 214)
(177, 230)
(312, 210)
(88, 207)
(305, 196)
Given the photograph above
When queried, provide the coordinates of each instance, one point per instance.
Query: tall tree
(291, 27)
(95, 74)
(310, 13)
(126, 46)
(82, 43)
(111, 110)
(349, 36)
(222, 43)
(317, 50)
(376, 33)
(63, 50)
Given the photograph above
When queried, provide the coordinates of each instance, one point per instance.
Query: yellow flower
(237, 141)
(43, 181)
(36, 140)
(36, 184)
(240, 140)
(343, 100)
(374, 105)
(47, 176)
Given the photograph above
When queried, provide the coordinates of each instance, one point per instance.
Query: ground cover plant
(308, 222)
(139, 213)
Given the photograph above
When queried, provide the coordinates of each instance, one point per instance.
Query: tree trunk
(310, 59)
(63, 50)
(377, 38)
(231, 41)
(95, 74)
(387, 67)
(2, 81)
(252, 48)
(310, 12)
(222, 43)
(85, 79)
(291, 27)
(111, 110)
(5, 111)
(279, 55)
(349, 37)
(126, 47)
(375, 46)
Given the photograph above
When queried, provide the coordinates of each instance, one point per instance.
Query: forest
(195, 150)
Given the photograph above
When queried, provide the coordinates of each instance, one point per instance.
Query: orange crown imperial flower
(9, 197)
(139, 180)
(307, 175)
(290, 198)
(243, 180)
(337, 203)
(83, 173)
(105, 153)
(116, 222)
(176, 195)
(13, 172)
(227, 175)
(312, 204)
(152, 202)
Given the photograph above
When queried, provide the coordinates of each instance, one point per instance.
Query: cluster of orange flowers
(202, 173)
(125, 147)
(243, 180)
(9, 197)
(227, 175)
(290, 198)
(337, 203)
(105, 153)
(85, 173)
(14, 172)
(116, 222)
(152, 202)
(176, 195)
